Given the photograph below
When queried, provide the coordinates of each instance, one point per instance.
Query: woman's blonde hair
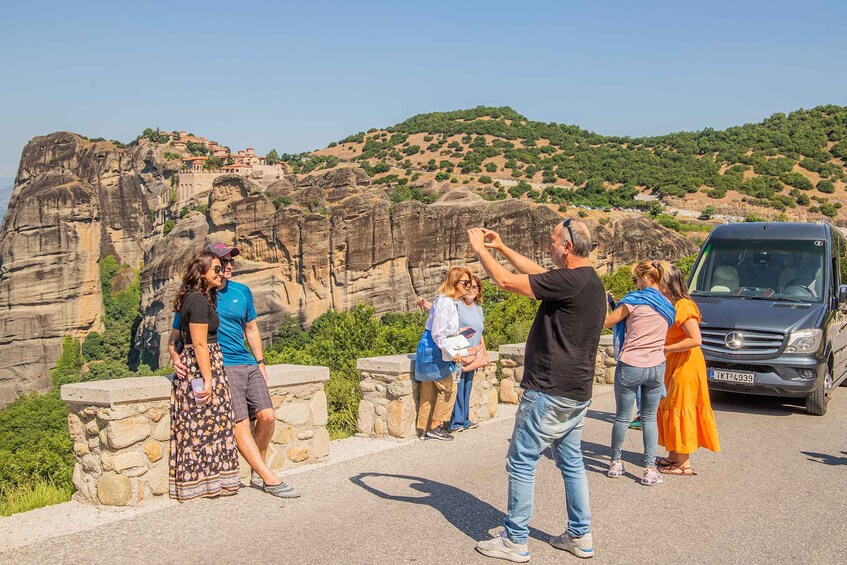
(454, 275)
(478, 297)
(651, 271)
(673, 282)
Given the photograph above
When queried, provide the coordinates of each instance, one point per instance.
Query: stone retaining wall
(390, 395)
(121, 432)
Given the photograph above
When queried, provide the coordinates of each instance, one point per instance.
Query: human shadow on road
(596, 457)
(825, 458)
(751, 404)
(464, 511)
(608, 417)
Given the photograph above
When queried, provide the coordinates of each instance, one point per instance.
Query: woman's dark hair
(192, 278)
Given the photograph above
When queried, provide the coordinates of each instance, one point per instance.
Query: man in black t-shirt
(558, 375)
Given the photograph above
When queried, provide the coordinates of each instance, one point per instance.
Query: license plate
(732, 376)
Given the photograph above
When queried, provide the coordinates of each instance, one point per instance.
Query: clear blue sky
(297, 75)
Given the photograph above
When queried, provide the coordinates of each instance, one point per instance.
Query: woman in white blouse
(437, 391)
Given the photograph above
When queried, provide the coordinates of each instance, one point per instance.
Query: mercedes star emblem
(734, 340)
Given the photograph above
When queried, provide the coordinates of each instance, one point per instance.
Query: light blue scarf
(647, 297)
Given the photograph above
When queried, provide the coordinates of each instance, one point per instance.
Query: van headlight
(804, 341)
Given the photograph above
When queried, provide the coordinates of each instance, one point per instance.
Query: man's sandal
(677, 470)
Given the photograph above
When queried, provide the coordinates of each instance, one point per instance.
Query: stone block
(91, 428)
(610, 376)
(508, 394)
(305, 434)
(294, 413)
(128, 431)
(125, 461)
(119, 413)
(113, 490)
(163, 429)
(609, 361)
(492, 402)
(81, 449)
(156, 414)
(509, 373)
(153, 451)
(91, 464)
(367, 386)
(76, 428)
(380, 410)
(276, 456)
(379, 427)
(401, 418)
(399, 389)
(365, 422)
(157, 478)
(282, 434)
(297, 453)
(318, 408)
(320, 444)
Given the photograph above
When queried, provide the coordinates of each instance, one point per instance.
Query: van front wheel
(817, 401)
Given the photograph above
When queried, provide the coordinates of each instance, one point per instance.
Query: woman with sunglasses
(436, 388)
(641, 320)
(470, 316)
(203, 457)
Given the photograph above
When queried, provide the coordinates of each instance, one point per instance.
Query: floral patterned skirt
(203, 456)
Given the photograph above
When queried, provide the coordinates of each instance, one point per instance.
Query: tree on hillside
(708, 212)
(272, 158)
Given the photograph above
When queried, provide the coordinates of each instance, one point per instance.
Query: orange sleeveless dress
(685, 417)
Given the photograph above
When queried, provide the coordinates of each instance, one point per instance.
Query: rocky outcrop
(328, 240)
(302, 263)
(74, 202)
(636, 237)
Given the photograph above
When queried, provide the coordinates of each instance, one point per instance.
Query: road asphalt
(774, 494)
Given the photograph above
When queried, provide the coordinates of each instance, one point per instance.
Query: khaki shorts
(249, 391)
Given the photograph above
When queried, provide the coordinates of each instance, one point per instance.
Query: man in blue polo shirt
(246, 374)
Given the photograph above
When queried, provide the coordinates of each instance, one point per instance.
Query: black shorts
(249, 391)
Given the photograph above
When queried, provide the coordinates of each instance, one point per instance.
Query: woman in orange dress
(685, 418)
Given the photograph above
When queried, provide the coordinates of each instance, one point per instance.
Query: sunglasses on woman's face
(465, 284)
(475, 286)
(218, 269)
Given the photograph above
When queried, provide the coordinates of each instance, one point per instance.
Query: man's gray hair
(580, 236)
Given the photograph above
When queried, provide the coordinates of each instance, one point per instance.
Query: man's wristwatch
(260, 361)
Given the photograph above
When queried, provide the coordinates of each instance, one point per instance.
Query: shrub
(183, 212)
(708, 212)
(491, 167)
(169, 225)
(828, 210)
(484, 179)
(669, 222)
(826, 186)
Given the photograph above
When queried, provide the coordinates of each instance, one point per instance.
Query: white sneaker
(651, 477)
(582, 547)
(615, 469)
(501, 547)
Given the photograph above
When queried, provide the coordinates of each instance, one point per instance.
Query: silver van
(772, 298)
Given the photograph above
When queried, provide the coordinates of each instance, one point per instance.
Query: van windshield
(769, 270)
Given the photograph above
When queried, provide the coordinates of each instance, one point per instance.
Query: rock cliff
(310, 243)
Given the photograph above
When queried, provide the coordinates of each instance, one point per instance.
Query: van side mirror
(842, 294)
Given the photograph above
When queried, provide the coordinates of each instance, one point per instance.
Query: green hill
(793, 161)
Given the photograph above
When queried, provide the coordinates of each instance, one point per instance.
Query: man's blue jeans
(628, 380)
(543, 420)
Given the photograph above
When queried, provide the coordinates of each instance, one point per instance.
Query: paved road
(775, 494)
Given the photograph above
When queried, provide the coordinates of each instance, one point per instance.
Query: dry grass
(32, 496)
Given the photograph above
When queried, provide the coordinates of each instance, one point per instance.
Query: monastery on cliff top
(196, 182)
